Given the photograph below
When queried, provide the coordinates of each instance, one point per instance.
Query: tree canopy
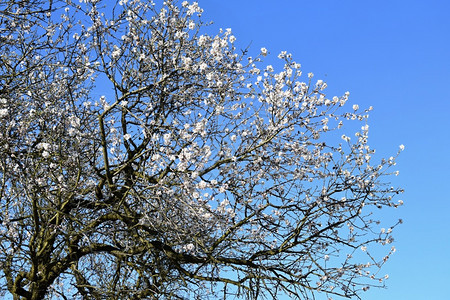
(143, 158)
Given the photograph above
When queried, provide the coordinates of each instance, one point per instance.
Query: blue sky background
(393, 55)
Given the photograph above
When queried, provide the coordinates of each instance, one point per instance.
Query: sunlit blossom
(263, 51)
(3, 112)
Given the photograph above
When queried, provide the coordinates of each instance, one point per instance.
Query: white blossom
(263, 51)
(3, 112)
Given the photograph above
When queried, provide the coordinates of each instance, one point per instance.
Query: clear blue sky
(395, 56)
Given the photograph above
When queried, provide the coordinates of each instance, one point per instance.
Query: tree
(142, 158)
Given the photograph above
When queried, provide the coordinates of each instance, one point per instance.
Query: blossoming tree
(144, 158)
